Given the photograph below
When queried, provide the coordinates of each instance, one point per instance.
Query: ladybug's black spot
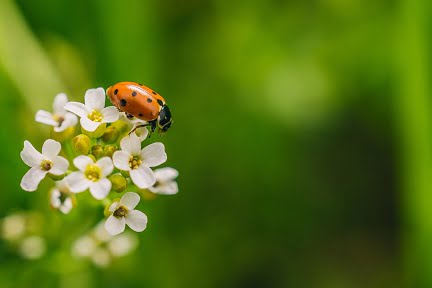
(123, 102)
(140, 114)
(134, 93)
(160, 102)
(149, 100)
(154, 92)
(115, 91)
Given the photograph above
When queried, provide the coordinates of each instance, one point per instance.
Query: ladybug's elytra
(141, 102)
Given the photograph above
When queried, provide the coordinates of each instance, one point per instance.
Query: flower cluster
(104, 159)
(22, 232)
(102, 248)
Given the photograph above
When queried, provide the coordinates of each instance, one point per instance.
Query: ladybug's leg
(152, 125)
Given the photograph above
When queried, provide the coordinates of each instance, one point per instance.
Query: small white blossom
(14, 227)
(41, 164)
(123, 244)
(93, 112)
(60, 119)
(165, 181)
(101, 247)
(60, 197)
(138, 161)
(84, 246)
(91, 176)
(123, 212)
(32, 247)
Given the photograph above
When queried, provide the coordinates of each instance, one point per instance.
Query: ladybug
(142, 102)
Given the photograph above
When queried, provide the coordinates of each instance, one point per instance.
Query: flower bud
(109, 150)
(119, 183)
(81, 144)
(97, 151)
(97, 133)
(111, 134)
(92, 157)
(64, 135)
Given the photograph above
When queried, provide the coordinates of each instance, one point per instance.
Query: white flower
(84, 246)
(14, 226)
(123, 244)
(32, 247)
(101, 247)
(122, 213)
(93, 112)
(60, 119)
(60, 197)
(165, 181)
(41, 164)
(138, 161)
(91, 175)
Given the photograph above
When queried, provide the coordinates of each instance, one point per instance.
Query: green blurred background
(302, 136)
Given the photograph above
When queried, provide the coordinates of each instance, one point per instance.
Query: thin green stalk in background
(24, 59)
(416, 144)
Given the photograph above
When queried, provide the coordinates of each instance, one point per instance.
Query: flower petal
(55, 198)
(30, 155)
(114, 206)
(110, 114)
(94, 99)
(136, 220)
(88, 124)
(143, 177)
(60, 101)
(32, 178)
(67, 206)
(169, 188)
(142, 133)
(78, 182)
(45, 117)
(60, 165)
(51, 149)
(100, 189)
(166, 174)
(154, 154)
(131, 144)
(130, 200)
(81, 162)
(77, 108)
(115, 225)
(106, 165)
(70, 120)
(62, 185)
(121, 160)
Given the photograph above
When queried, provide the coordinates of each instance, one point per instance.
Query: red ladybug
(141, 102)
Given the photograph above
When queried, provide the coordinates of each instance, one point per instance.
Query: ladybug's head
(164, 119)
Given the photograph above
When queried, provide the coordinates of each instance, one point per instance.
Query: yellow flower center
(120, 212)
(95, 116)
(46, 165)
(134, 162)
(93, 172)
